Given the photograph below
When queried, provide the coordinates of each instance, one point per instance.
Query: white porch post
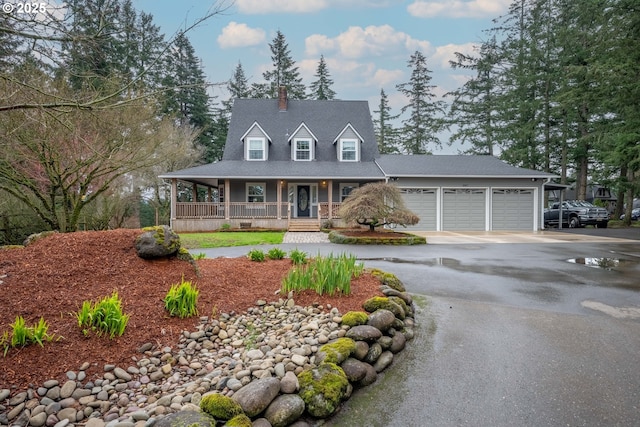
(227, 197)
(174, 200)
(279, 199)
(330, 197)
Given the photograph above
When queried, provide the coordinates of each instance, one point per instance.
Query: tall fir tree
(425, 112)
(186, 96)
(283, 73)
(386, 133)
(321, 87)
(472, 110)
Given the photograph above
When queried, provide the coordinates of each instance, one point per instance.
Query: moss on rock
(407, 310)
(338, 351)
(388, 279)
(376, 303)
(355, 318)
(322, 389)
(220, 407)
(239, 421)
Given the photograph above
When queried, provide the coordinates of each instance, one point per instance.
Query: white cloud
(372, 41)
(387, 78)
(446, 53)
(458, 8)
(257, 7)
(240, 35)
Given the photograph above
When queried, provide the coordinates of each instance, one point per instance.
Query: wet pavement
(509, 333)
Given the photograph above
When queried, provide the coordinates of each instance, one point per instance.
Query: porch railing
(201, 210)
(323, 209)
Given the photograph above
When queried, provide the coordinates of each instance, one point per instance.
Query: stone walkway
(305, 237)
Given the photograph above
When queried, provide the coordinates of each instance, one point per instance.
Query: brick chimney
(282, 98)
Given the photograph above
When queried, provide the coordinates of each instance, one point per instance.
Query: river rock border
(281, 363)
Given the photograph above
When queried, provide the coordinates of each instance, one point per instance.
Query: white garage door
(512, 209)
(422, 202)
(463, 209)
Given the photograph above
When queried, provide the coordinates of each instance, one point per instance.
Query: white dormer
(348, 144)
(303, 143)
(256, 143)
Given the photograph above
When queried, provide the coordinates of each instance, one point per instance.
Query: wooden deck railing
(186, 210)
(323, 208)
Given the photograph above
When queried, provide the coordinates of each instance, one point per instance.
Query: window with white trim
(303, 149)
(348, 150)
(346, 189)
(256, 149)
(256, 192)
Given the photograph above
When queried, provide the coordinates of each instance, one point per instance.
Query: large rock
(157, 242)
(381, 319)
(256, 396)
(186, 418)
(323, 389)
(354, 369)
(284, 410)
(364, 333)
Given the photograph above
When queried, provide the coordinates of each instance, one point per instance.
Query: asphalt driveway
(510, 334)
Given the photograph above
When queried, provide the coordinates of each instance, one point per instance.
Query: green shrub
(325, 275)
(298, 257)
(182, 300)
(225, 226)
(104, 316)
(256, 255)
(199, 256)
(276, 253)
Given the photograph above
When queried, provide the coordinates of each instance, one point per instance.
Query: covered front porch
(299, 204)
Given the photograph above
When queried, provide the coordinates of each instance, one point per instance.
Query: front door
(304, 200)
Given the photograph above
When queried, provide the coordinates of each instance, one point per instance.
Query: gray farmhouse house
(288, 164)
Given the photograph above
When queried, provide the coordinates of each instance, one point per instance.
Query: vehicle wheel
(574, 222)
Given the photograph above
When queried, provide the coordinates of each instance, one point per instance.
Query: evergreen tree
(321, 88)
(473, 108)
(284, 73)
(386, 134)
(238, 87)
(425, 112)
(186, 96)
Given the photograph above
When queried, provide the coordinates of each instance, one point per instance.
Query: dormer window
(348, 144)
(303, 143)
(303, 149)
(348, 150)
(256, 149)
(256, 142)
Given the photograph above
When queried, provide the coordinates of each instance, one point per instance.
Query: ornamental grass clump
(103, 317)
(182, 300)
(256, 255)
(23, 335)
(276, 253)
(325, 275)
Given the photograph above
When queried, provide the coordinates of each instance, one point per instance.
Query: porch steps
(304, 225)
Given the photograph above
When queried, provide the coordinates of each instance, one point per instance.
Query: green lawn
(230, 238)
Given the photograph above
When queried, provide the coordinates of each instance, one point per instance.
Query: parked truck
(576, 213)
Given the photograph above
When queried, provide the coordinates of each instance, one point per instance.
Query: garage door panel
(512, 209)
(464, 209)
(423, 203)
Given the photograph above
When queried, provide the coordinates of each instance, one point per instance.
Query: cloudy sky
(366, 43)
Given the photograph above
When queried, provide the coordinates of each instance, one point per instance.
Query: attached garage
(464, 209)
(423, 202)
(511, 209)
(467, 193)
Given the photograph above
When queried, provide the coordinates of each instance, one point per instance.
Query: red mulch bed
(53, 276)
